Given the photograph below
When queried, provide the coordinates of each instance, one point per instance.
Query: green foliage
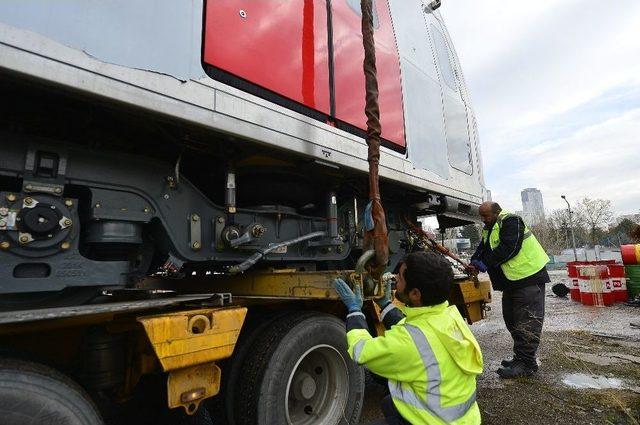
(621, 233)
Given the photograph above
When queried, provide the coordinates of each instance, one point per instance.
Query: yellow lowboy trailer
(274, 352)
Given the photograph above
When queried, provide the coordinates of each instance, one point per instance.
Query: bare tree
(551, 237)
(472, 232)
(559, 218)
(596, 214)
(558, 222)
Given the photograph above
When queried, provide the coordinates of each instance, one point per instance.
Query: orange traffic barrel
(618, 282)
(630, 254)
(595, 286)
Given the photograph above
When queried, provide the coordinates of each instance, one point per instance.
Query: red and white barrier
(595, 286)
(618, 282)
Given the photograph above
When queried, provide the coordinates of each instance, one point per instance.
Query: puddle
(595, 382)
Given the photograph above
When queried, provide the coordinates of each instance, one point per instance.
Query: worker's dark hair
(431, 273)
(495, 208)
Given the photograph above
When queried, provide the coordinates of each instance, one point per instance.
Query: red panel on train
(349, 77)
(282, 46)
(278, 45)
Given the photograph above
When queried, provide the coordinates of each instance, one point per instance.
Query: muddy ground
(582, 348)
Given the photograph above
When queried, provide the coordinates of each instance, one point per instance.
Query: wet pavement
(563, 314)
(589, 361)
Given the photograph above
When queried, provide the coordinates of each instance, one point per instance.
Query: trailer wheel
(222, 406)
(299, 373)
(31, 393)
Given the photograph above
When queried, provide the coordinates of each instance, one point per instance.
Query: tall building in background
(532, 206)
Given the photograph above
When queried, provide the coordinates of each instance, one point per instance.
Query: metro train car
(191, 136)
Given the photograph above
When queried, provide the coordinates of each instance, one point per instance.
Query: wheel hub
(305, 387)
(318, 388)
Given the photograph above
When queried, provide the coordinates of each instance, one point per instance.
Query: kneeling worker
(429, 357)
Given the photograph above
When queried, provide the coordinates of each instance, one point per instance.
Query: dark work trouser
(391, 414)
(523, 312)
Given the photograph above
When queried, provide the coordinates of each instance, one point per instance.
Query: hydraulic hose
(249, 262)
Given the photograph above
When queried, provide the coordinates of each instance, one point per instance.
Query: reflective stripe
(357, 349)
(356, 313)
(387, 309)
(432, 402)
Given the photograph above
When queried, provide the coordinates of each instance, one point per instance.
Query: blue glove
(368, 217)
(352, 300)
(479, 265)
(387, 279)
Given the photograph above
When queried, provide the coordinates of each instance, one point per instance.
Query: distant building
(532, 206)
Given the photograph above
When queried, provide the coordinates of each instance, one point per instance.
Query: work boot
(508, 363)
(516, 370)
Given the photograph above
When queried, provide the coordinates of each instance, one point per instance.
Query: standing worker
(516, 263)
(430, 358)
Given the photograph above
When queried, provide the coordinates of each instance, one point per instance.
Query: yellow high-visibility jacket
(528, 261)
(431, 360)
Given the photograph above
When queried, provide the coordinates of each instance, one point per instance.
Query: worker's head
(489, 212)
(424, 279)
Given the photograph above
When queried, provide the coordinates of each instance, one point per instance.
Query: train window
(443, 58)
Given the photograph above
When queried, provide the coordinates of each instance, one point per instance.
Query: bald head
(489, 212)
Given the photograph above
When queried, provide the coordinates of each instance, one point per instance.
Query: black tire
(31, 393)
(269, 368)
(221, 407)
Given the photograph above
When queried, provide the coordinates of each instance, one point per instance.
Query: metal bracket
(196, 232)
(189, 386)
(218, 226)
(8, 219)
(216, 300)
(254, 231)
(44, 170)
(52, 189)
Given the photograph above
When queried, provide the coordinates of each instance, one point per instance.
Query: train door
(454, 107)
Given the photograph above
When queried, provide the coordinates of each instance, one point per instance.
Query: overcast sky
(556, 88)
